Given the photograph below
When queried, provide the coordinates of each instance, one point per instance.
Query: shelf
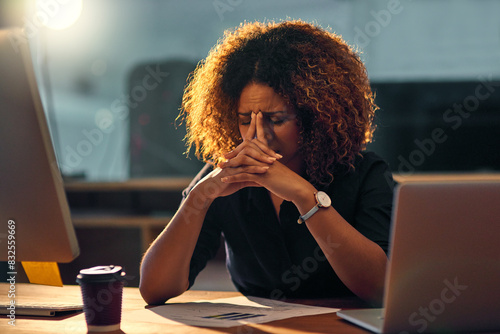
(142, 184)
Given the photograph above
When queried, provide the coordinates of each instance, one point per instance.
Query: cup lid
(100, 274)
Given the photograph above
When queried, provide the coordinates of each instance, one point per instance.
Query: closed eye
(280, 119)
(277, 121)
(245, 120)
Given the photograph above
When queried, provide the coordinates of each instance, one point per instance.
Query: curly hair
(312, 69)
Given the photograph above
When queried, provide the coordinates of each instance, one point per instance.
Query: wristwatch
(322, 201)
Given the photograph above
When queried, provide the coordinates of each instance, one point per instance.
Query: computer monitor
(34, 213)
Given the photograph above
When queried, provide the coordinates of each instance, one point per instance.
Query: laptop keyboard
(40, 309)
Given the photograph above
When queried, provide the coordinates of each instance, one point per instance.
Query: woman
(284, 112)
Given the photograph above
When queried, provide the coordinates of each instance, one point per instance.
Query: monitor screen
(35, 222)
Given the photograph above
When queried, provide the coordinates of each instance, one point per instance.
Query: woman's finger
(251, 129)
(256, 145)
(244, 173)
(264, 148)
(262, 137)
(248, 156)
(255, 135)
(259, 128)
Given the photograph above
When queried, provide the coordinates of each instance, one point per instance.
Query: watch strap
(308, 215)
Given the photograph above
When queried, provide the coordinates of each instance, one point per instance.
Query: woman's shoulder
(371, 166)
(368, 158)
(367, 165)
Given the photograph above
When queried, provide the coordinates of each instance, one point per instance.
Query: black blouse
(278, 258)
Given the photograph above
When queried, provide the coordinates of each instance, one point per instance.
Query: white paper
(224, 312)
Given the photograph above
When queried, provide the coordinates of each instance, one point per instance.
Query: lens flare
(58, 14)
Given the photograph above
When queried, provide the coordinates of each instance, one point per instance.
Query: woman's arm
(165, 266)
(359, 262)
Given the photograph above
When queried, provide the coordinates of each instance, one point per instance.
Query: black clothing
(278, 258)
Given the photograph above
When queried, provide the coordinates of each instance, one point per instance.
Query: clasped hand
(253, 164)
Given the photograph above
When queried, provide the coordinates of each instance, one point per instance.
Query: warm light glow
(58, 14)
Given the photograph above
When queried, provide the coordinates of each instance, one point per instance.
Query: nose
(268, 128)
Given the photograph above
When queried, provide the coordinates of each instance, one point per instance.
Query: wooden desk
(132, 300)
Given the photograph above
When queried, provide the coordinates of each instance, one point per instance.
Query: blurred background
(112, 79)
(112, 72)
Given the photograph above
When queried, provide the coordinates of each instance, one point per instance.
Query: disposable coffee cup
(102, 289)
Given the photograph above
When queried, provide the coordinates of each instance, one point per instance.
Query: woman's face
(279, 122)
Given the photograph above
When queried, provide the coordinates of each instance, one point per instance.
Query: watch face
(323, 199)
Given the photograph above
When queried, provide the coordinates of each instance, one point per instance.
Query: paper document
(225, 312)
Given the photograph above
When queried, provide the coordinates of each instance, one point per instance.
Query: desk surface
(326, 323)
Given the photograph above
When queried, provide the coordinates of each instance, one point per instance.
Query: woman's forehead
(260, 97)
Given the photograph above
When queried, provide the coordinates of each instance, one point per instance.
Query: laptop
(41, 309)
(444, 268)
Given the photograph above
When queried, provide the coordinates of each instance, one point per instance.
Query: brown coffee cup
(102, 289)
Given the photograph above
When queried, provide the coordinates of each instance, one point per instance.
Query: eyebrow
(267, 113)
